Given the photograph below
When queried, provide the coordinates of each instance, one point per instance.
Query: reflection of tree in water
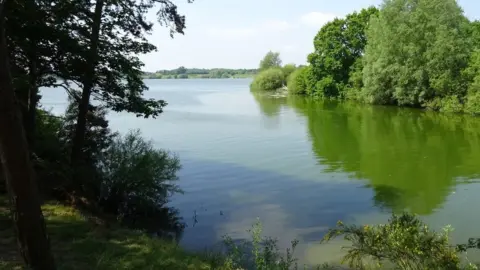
(410, 158)
(388, 198)
(270, 106)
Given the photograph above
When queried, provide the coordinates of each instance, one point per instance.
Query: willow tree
(415, 54)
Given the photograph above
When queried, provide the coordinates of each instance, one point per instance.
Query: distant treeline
(201, 73)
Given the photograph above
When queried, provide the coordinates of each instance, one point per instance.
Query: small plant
(404, 242)
(261, 253)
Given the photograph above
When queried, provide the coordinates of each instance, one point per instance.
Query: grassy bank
(81, 242)
(86, 243)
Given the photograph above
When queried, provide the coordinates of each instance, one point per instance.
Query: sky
(237, 34)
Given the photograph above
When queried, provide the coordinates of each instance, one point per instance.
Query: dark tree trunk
(28, 220)
(88, 83)
(31, 113)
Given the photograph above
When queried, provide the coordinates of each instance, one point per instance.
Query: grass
(79, 243)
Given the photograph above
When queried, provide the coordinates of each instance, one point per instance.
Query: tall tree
(270, 60)
(415, 54)
(338, 46)
(29, 223)
(116, 34)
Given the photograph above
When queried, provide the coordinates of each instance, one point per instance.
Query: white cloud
(316, 19)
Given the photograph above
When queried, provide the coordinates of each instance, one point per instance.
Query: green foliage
(404, 242)
(415, 54)
(355, 81)
(122, 176)
(262, 253)
(270, 60)
(472, 105)
(136, 176)
(288, 69)
(50, 155)
(268, 80)
(338, 45)
(80, 242)
(297, 81)
(409, 53)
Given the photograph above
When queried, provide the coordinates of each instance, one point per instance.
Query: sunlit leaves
(416, 52)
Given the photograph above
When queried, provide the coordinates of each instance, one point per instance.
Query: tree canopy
(338, 45)
(74, 44)
(416, 53)
(270, 60)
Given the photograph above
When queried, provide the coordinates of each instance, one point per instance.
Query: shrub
(288, 69)
(450, 104)
(405, 242)
(259, 253)
(472, 104)
(297, 83)
(268, 80)
(136, 177)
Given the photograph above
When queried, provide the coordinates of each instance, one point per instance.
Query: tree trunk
(88, 83)
(31, 114)
(28, 220)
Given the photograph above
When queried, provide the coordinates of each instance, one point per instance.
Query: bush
(404, 242)
(450, 104)
(136, 177)
(262, 253)
(473, 103)
(268, 80)
(50, 154)
(297, 83)
(123, 176)
(288, 69)
(326, 88)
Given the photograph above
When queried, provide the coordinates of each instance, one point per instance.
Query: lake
(301, 165)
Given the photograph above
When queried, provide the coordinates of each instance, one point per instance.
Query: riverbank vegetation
(420, 54)
(89, 49)
(105, 186)
(201, 73)
(81, 240)
(272, 75)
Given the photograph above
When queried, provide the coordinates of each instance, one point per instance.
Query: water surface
(301, 165)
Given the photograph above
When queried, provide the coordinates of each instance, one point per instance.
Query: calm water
(300, 166)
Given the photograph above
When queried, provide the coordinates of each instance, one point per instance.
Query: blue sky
(236, 34)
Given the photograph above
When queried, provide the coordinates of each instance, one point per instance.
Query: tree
(288, 69)
(34, 51)
(28, 219)
(338, 45)
(415, 54)
(112, 69)
(181, 70)
(270, 60)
